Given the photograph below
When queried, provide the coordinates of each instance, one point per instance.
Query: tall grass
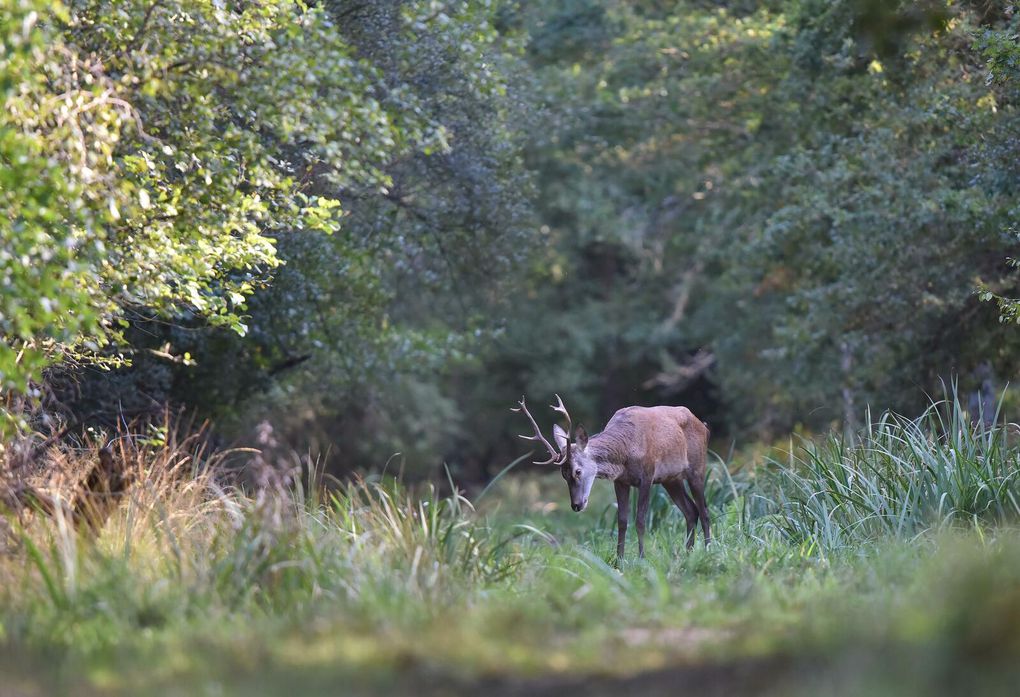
(193, 540)
(899, 478)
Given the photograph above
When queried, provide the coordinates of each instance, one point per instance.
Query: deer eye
(577, 473)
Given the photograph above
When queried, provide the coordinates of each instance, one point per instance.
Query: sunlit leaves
(153, 151)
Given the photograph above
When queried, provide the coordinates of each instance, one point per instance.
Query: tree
(154, 151)
(793, 199)
(1000, 47)
(411, 284)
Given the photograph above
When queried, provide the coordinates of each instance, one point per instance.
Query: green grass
(886, 565)
(900, 478)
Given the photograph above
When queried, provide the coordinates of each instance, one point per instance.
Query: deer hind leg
(622, 514)
(679, 495)
(644, 497)
(697, 485)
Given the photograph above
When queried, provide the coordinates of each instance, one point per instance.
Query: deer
(639, 447)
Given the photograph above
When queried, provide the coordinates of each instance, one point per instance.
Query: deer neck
(608, 469)
(607, 456)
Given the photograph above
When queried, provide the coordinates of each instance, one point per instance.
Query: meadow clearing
(886, 565)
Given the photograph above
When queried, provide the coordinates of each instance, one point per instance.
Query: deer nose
(576, 506)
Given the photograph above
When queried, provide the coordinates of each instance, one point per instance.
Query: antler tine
(563, 410)
(538, 437)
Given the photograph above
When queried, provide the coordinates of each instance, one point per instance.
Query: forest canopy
(375, 224)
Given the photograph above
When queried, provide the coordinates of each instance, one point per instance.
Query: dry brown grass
(164, 472)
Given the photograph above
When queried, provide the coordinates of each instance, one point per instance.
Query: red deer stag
(640, 446)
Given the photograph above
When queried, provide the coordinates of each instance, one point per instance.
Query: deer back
(654, 443)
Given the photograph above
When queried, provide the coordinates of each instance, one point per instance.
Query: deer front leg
(644, 497)
(622, 514)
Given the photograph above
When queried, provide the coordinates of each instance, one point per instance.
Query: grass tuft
(901, 477)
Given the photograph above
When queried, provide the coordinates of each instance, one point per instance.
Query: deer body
(649, 444)
(639, 447)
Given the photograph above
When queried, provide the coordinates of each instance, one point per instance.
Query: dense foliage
(172, 142)
(799, 198)
(408, 212)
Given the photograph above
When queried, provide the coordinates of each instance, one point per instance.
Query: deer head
(576, 468)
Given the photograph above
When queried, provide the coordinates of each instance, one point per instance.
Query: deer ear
(581, 437)
(560, 436)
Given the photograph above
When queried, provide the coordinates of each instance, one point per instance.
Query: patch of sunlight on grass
(351, 650)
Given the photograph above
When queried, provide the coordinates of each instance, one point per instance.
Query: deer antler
(563, 410)
(554, 456)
